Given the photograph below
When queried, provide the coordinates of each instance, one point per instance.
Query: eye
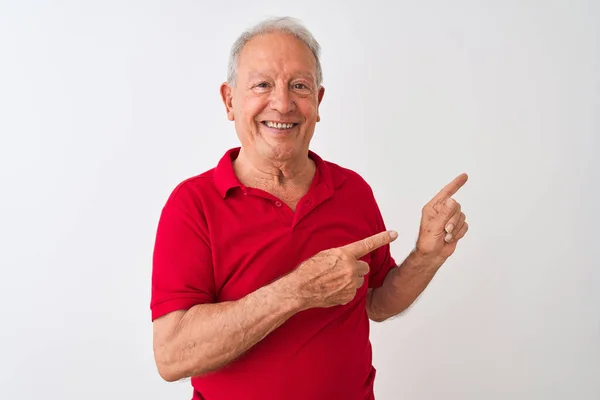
(262, 85)
(302, 88)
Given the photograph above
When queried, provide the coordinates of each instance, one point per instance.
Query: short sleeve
(182, 270)
(381, 259)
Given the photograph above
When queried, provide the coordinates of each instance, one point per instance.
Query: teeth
(278, 125)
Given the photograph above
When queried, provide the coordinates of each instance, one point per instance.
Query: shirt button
(278, 203)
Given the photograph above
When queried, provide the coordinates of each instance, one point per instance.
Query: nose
(282, 100)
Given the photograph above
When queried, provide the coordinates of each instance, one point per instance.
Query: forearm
(402, 286)
(209, 336)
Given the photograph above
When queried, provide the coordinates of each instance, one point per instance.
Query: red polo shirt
(219, 240)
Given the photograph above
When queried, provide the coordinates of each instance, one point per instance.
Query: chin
(283, 152)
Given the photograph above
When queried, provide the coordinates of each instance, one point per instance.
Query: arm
(401, 287)
(208, 336)
(442, 226)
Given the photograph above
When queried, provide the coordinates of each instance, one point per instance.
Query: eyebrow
(257, 74)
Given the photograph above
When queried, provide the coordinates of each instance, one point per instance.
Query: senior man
(268, 267)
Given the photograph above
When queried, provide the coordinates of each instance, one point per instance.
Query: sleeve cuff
(168, 306)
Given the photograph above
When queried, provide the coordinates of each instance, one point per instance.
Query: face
(275, 101)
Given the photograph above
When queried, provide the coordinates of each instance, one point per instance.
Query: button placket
(285, 214)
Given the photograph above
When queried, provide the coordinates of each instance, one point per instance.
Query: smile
(279, 125)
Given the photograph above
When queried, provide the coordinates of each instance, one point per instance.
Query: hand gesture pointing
(332, 277)
(442, 222)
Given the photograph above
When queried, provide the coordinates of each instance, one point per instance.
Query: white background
(105, 106)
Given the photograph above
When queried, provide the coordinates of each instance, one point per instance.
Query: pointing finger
(363, 247)
(450, 189)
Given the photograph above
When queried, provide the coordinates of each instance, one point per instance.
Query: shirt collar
(226, 179)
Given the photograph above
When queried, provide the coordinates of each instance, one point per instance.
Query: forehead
(276, 53)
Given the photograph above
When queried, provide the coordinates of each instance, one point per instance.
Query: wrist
(425, 261)
(289, 293)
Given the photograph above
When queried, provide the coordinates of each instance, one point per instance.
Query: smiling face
(275, 101)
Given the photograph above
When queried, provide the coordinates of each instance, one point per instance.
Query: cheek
(309, 111)
(252, 107)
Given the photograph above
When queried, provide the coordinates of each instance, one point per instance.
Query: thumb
(448, 209)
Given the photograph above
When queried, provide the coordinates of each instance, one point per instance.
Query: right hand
(332, 277)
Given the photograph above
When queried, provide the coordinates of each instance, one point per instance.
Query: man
(268, 267)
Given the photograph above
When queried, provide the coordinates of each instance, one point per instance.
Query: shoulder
(192, 191)
(348, 178)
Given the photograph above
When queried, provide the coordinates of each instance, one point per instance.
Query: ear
(227, 97)
(320, 98)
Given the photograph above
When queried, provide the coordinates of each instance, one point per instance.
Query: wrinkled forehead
(276, 55)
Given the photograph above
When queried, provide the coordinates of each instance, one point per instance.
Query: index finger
(363, 247)
(450, 189)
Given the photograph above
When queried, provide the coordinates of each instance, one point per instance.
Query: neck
(253, 169)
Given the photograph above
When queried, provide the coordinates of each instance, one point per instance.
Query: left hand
(442, 223)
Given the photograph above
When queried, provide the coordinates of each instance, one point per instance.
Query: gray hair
(278, 24)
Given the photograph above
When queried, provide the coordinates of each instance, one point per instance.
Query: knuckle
(323, 253)
(337, 252)
(349, 273)
(448, 210)
(369, 243)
